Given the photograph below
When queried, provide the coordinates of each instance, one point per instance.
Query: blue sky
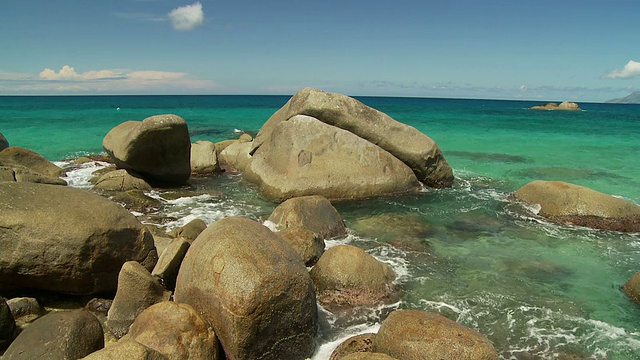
(547, 50)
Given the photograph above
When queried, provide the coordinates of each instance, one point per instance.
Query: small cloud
(185, 18)
(523, 87)
(69, 73)
(631, 70)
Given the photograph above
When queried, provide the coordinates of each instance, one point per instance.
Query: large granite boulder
(569, 203)
(362, 343)
(15, 156)
(235, 157)
(176, 331)
(404, 142)
(58, 335)
(412, 334)
(66, 240)
(157, 147)
(3, 142)
(305, 156)
(204, 158)
(137, 290)
(345, 275)
(253, 288)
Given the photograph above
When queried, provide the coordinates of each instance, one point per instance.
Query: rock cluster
(565, 105)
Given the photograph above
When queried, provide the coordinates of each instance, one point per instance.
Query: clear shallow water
(538, 290)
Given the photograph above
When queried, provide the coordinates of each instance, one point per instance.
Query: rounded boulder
(253, 288)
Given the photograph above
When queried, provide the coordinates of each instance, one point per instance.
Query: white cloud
(187, 17)
(69, 73)
(156, 75)
(631, 70)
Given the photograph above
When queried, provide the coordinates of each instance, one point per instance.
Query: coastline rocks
(305, 156)
(204, 158)
(573, 204)
(7, 324)
(157, 147)
(565, 105)
(25, 309)
(632, 288)
(121, 180)
(58, 335)
(126, 350)
(169, 263)
(406, 143)
(345, 275)
(235, 157)
(411, 334)
(307, 244)
(314, 213)
(15, 155)
(356, 344)
(19, 173)
(175, 330)
(190, 231)
(3, 142)
(253, 288)
(66, 240)
(137, 290)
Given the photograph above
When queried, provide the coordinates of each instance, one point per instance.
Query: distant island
(634, 98)
(565, 105)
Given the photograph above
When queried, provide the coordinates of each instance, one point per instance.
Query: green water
(537, 290)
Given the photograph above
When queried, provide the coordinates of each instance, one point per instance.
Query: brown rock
(121, 180)
(177, 331)
(126, 350)
(412, 334)
(404, 142)
(66, 240)
(360, 343)
(15, 155)
(19, 173)
(565, 105)
(253, 288)
(58, 335)
(314, 213)
(569, 203)
(235, 157)
(346, 275)
(368, 356)
(190, 231)
(169, 262)
(3, 142)
(204, 158)
(157, 147)
(307, 157)
(632, 288)
(7, 324)
(306, 243)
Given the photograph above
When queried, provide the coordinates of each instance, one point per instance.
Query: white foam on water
(328, 244)
(395, 258)
(79, 177)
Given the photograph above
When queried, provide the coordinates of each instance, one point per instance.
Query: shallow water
(536, 289)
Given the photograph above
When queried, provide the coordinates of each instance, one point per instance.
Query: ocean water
(537, 290)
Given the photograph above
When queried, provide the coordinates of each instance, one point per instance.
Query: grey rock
(169, 262)
(204, 158)
(121, 180)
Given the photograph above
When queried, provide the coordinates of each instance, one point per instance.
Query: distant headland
(633, 98)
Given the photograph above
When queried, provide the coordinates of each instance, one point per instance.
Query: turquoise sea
(537, 290)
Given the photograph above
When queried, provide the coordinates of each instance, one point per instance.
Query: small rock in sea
(565, 105)
(632, 288)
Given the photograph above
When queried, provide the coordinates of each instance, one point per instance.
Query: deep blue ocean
(537, 290)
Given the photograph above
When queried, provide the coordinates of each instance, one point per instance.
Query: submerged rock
(253, 288)
(573, 204)
(404, 142)
(157, 147)
(307, 157)
(66, 240)
(412, 334)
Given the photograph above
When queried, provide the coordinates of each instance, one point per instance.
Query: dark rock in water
(409, 334)
(632, 288)
(360, 343)
(577, 205)
(7, 324)
(137, 290)
(157, 147)
(494, 157)
(58, 335)
(564, 173)
(346, 276)
(66, 240)
(539, 270)
(126, 350)
(3, 142)
(404, 142)
(388, 226)
(175, 330)
(254, 290)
